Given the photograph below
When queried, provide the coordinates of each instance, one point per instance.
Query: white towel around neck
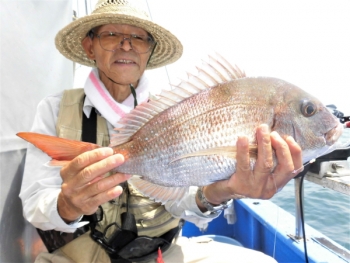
(102, 100)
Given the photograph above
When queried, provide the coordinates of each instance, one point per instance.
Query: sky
(306, 43)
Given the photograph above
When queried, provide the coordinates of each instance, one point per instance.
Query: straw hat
(68, 40)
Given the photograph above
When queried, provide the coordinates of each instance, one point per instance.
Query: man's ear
(87, 46)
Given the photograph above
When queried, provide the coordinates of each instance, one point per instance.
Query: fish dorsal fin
(210, 74)
(158, 193)
(227, 151)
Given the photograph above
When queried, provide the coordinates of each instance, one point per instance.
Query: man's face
(124, 65)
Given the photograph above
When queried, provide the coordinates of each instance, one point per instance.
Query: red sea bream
(187, 136)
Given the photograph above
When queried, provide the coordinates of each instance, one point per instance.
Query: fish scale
(189, 130)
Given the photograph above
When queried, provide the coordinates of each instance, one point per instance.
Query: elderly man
(120, 42)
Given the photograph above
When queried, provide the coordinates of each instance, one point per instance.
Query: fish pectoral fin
(226, 151)
(156, 192)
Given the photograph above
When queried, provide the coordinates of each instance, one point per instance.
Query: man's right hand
(84, 186)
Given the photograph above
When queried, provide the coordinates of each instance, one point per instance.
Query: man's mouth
(124, 61)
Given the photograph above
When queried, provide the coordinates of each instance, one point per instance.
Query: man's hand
(84, 186)
(264, 181)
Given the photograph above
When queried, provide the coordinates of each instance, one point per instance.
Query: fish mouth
(333, 134)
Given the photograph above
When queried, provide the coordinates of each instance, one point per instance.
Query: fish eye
(308, 108)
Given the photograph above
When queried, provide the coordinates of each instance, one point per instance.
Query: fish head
(308, 121)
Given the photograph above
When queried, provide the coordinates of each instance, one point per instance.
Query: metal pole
(298, 221)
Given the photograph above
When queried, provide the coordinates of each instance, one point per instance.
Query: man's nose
(126, 44)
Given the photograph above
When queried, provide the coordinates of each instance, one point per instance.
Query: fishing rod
(165, 67)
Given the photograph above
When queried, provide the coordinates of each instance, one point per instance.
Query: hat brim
(68, 40)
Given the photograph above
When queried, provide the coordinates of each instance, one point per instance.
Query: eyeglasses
(111, 41)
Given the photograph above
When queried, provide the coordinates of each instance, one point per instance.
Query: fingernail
(242, 140)
(291, 139)
(116, 191)
(275, 135)
(127, 176)
(106, 151)
(264, 128)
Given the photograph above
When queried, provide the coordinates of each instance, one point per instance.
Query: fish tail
(59, 149)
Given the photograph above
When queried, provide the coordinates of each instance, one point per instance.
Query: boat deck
(266, 227)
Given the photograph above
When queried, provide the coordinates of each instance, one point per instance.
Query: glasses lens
(141, 44)
(112, 40)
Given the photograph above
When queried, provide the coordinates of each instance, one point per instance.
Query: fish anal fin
(158, 193)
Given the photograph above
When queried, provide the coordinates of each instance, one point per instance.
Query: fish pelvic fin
(59, 149)
(226, 151)
(158, 193)
(211, 73)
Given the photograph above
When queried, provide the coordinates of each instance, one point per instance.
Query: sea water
(325, 210)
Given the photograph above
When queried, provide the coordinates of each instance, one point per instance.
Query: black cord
(134, 94)
(302, 216)
(301, 176)
(127, 192)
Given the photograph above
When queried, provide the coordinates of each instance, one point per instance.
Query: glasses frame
(151, 41)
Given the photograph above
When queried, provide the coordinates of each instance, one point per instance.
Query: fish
(186, 136)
